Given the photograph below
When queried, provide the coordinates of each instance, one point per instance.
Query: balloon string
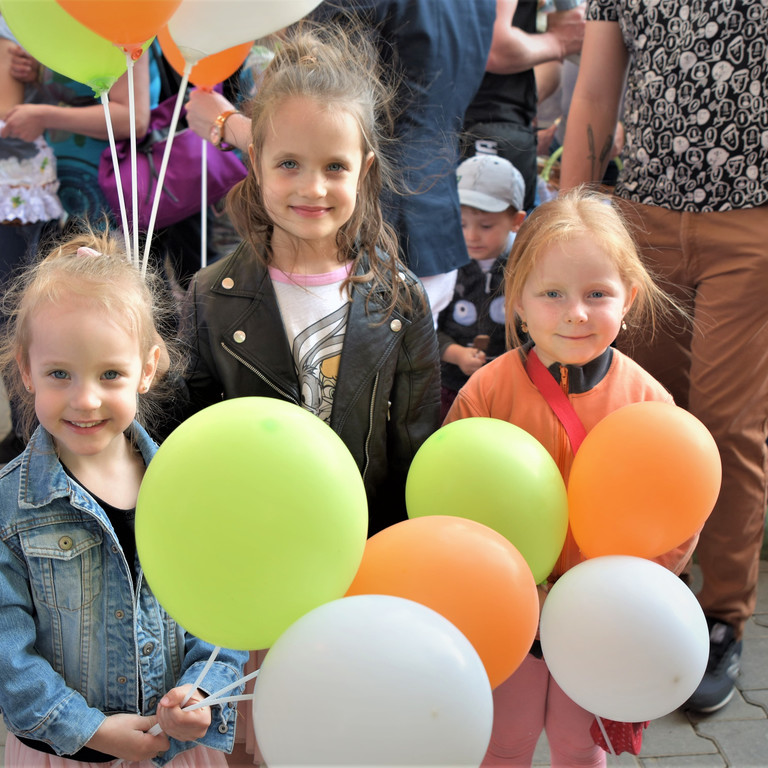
(242, 681)
(156, 729)
(134, 172)
(116, 166)
(605, 735)
(212, 701)
(203, 673)
(219, 697)
(164, 165)
(204, 206)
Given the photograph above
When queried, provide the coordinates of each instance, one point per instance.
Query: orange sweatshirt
(502, 390)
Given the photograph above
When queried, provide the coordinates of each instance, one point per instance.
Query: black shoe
(10, 447)
(717, 686)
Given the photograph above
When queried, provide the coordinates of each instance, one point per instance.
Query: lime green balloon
(251, 513)
(47, 32)
(497, 474)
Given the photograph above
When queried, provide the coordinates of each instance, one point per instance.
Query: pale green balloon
(60, 42)
(252, 512)
(499, 475)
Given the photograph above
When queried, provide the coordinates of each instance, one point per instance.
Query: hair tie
(86, 251)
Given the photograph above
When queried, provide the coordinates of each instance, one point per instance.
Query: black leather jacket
(387, 398)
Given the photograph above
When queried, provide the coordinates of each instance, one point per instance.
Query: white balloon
(624, 637)
(203, 27)
(372, 680)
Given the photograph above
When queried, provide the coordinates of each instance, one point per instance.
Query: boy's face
(486, 233)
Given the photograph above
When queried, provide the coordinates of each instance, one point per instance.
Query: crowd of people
(396, 270)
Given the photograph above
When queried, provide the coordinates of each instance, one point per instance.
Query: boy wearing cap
(491, 192)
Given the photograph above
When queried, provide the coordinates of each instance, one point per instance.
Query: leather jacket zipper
(370, 423)
(258, 373)
(292, 399)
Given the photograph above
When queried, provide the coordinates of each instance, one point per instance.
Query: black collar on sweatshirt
(581, 378)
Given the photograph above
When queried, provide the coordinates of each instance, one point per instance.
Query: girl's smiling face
(84, 371)
(310, 165)
(573, 302)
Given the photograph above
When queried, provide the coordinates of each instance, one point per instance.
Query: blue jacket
(439, 48)
(78, 640)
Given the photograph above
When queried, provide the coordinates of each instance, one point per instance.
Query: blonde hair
(576, 213)
(337, 67)
(140, 305)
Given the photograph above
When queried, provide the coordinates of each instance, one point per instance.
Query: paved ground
(736, 737)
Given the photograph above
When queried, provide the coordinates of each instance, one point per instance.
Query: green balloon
(47, 32)
(252, 513)
(497, 474)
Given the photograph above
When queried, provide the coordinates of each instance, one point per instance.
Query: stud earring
(29, 387)
(623, 325)
(523, 326)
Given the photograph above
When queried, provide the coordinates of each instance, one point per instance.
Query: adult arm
(24, 67)
(203, 107)
(594, 110)
(11, 90)
(28, 121)
(513, 50)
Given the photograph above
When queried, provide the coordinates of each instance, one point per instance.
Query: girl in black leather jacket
(315, 306)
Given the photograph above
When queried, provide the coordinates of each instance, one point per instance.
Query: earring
(623, 325)
(523, 326)
(29, 387)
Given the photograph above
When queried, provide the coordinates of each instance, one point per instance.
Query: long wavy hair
(338, 67)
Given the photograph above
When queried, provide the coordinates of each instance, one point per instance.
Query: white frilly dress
(28, 183)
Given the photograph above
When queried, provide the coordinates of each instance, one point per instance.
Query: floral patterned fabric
(28, 183)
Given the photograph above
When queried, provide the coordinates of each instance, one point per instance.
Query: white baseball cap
(490, 183)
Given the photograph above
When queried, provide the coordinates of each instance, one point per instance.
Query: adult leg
(722, 258)
(666, 354)
(729, 394)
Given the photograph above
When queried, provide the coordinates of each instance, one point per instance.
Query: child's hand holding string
(129, 737)
(183, 724)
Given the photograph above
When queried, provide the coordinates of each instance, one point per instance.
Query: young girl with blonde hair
(574, 282)
(89, 660)
(315, 307)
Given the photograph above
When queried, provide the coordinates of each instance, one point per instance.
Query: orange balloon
(465, 571)
(125, 22)
(644, 481)
(210, 70)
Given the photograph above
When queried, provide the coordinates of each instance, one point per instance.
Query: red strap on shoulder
(557, 399)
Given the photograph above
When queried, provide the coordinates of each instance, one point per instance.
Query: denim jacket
(78, 639)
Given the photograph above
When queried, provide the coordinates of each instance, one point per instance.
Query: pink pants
(529, 702)
(717, 264)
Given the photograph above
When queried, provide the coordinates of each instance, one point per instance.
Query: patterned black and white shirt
(696, 103)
